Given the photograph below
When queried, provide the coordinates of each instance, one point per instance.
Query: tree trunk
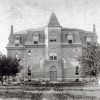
(9, 80)
(2, 80)
(96, 79)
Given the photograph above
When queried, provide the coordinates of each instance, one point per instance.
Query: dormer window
(88, 39)
(35, 38)
(70, 38)
(17, 41)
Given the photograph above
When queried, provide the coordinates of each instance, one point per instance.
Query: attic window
(17, 41)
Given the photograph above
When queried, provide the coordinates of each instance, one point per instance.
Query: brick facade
(49, 53)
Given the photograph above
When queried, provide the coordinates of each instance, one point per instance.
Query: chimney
(94, 30)
(11, 29)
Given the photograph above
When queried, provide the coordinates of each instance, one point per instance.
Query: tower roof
(53, 22)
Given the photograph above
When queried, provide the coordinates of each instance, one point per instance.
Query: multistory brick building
(49, 53)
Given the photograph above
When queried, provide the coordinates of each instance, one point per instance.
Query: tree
(8, 67)
(90, 60)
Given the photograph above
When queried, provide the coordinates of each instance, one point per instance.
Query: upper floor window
(53, 56)
(17, 41)
(88, 39)
(36, 38)
(70, 38)
(53, 38)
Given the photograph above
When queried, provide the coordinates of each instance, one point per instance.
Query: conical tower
(53, 22)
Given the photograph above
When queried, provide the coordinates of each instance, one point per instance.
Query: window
(29, 53)
(70, 41)
(77, 70)
(70, 38)
(53, 37)
(17, 42)
(53, 56)
(35, 38)
(53, 40)
(88, 39)
(76, 52)
(29, 70)
(35, 42)
(16, 55)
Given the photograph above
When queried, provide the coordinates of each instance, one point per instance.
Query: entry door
(53, 74)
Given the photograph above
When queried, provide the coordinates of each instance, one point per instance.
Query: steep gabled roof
(53, 22)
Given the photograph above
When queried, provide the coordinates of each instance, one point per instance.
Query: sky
(28, 14)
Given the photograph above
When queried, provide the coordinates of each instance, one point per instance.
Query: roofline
(76, 29)
(43, 29)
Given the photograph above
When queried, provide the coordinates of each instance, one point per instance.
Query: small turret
(94, 29)
(12, 29)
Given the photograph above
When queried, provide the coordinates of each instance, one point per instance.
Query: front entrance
(53, 73)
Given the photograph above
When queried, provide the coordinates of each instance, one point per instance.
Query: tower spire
(53, 22)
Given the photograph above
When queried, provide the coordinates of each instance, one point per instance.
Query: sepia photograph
(49, 50)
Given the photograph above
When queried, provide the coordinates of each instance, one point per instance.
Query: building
(49, 53)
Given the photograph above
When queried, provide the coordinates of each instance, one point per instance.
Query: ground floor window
(29, 70)
(77, 70)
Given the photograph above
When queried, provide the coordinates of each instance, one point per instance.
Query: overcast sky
(27, 14)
